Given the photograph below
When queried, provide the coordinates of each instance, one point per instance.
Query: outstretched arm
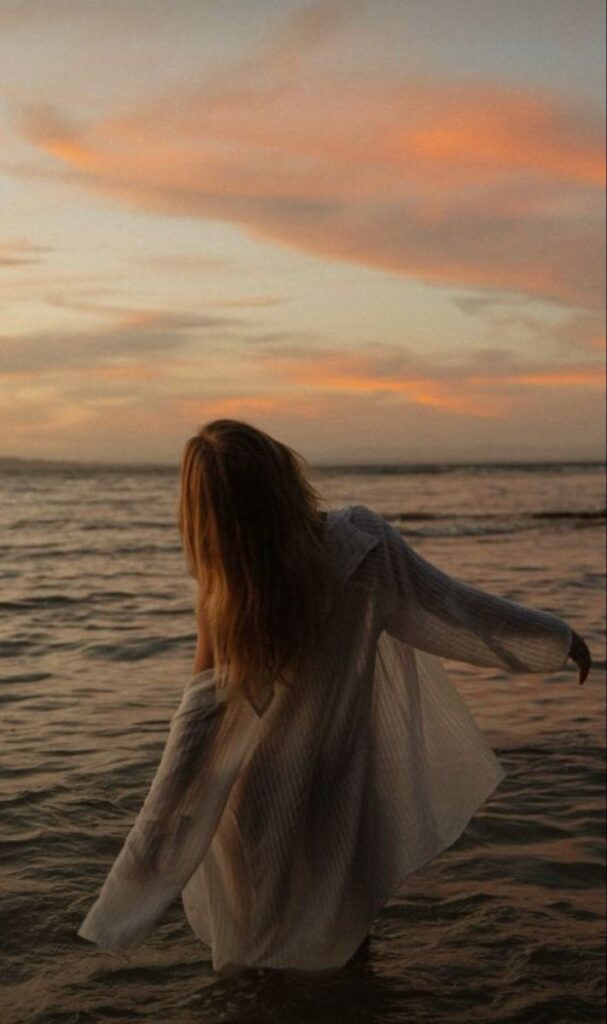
(208, 744)
(437, 613)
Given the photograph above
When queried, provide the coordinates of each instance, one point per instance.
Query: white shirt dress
(286, 826)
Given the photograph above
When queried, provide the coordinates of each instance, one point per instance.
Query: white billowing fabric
(287, 826)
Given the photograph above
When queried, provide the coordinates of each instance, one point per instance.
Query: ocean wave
(437, 524)
(26, 677)
(135, 650)
(404, 469)
(593, 513)
(57, 550)
(583, 513)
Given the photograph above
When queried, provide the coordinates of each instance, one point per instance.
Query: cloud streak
(451, 183)
(484, 384)
(140, 334)
(22, 253)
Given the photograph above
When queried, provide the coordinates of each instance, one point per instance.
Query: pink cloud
(450, 183)
(482, 384)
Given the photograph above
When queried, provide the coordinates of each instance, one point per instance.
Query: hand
(579, 653)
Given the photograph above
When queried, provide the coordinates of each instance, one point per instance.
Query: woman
(320, 753)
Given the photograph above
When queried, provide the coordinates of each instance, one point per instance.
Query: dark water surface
(96, 644)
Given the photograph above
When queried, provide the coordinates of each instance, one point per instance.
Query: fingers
(585, 665)
(580, 653)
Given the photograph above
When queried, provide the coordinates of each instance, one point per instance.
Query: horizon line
(387, 463)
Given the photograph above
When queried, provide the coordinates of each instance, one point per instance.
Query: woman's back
(366, 770)
(323, 755)
(286, 825)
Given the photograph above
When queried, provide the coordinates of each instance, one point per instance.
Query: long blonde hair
(252, 535)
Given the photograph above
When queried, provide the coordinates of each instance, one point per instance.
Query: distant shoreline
(16, 464)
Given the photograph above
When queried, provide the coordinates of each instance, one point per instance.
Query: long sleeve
(430, 610)
(208, 743)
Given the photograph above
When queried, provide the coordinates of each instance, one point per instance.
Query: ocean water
(96, 644)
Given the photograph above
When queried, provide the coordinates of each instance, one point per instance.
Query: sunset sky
(374, 229)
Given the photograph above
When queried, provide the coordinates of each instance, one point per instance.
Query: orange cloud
(563, 378)
(55, 136)
(450, 183)
(242, 406)
(512, 133)
(125, 371)
(455, 388)
(354, 374)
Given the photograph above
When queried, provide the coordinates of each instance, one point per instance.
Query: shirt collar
(349, 543)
